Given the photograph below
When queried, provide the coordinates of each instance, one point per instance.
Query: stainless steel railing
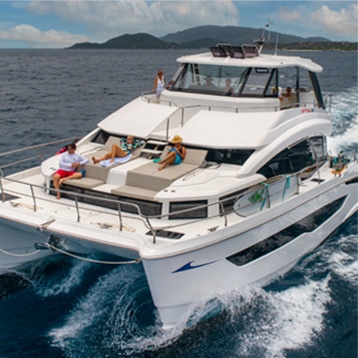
(234, 109)
(146, 219)
(33, 147)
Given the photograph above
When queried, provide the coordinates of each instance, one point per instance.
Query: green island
(202, 37)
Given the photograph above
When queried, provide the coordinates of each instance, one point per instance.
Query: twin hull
(177, 281)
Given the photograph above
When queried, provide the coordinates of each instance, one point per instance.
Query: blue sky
(58, 24)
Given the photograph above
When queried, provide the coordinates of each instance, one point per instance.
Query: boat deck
(60, 215)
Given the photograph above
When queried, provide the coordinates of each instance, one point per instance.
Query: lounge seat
(146, 181)
(96, 174)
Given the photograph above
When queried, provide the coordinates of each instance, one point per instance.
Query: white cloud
(343, 22)
(40, 39)
(105, 19)
(288, 15)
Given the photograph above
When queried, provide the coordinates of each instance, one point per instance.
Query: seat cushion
(192, 156)
(86, 183)
(134, 192)
(149, 177)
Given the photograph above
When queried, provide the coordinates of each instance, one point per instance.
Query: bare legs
(57, 181)
(117, 151)
(170, 159)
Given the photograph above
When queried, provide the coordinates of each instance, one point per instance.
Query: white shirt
(68, 159)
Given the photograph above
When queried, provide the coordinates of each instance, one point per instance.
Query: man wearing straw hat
(176, 153)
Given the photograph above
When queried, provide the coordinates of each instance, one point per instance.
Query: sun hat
(176, 139)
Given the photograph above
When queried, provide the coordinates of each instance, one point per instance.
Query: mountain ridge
(209, 35)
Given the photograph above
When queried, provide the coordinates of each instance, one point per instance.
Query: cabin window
(352, 181)
(256, 82)
(229, 200)
(192, 213)
(229, 156)
(209, 79)
(283, 237)
(225, 80)
(295, 158)
(101, 137)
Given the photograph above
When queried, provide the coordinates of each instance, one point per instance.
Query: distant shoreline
(161, 49)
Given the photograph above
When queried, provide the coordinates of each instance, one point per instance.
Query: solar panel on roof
(236, 52)
(250, 50)
(218, 51)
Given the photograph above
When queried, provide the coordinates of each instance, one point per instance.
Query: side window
(256, 82)
(295, 158)
(101, 137)
(318, 148)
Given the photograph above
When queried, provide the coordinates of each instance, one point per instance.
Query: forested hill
(206, 36)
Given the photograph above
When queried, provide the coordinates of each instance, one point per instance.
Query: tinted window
(209, 79)
(101, 137)
(307, 224)
(230, 156)
(255, 84)
(296, 158)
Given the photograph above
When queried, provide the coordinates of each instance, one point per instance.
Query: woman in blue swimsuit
(176, 153)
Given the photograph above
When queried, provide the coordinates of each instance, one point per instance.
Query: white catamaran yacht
(256, 191)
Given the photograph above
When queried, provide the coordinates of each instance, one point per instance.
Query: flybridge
(227, 50)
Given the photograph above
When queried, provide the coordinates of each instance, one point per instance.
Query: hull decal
(190, 266)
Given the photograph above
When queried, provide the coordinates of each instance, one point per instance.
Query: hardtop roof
(263, 60)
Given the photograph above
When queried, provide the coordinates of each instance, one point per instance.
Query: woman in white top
(159, 84)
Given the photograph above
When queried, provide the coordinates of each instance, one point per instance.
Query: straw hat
(176, 139)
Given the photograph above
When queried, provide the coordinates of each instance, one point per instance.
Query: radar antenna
(262, 40)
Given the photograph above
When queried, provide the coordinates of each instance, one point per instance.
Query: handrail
(146, 219)
(144, 93)
(236, 109)
(35, 147)
(38, 146)
(76, 195)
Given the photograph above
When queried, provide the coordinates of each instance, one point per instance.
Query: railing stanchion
(120, 217)
(154, 233)
(40, 154)
(33, 197)
(182, 116)
(167, 134)
(77, 209)
(268, 197)
(2, 191)
(297, 183)
(224, 212)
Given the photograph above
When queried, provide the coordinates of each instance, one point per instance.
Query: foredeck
(118, 228)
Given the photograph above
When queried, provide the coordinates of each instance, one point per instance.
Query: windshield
(224, 80)
(209, 79)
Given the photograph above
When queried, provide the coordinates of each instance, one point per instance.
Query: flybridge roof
(268, 61)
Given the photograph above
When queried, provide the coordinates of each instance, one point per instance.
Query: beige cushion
(149, 177)
(192, 156)
(97, 172)
(86, 183)
(134, 192)
(111, 140)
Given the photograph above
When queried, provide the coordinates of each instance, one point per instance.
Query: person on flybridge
(159, 84)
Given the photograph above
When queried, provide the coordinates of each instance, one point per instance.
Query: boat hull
(18, 244)
(179, 281)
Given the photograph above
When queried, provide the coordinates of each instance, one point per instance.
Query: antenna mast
(276, 45)
(263, 39)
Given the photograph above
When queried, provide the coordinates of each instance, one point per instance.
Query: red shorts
(64, 173)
